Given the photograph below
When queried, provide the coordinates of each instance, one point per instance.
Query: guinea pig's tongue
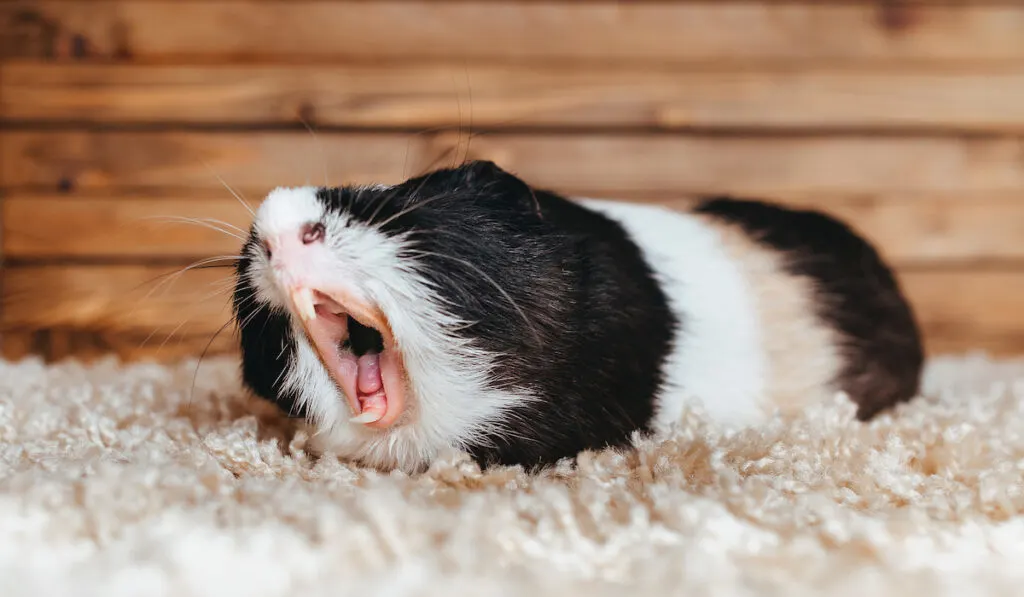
(369, 374)
(372, 384)
(372, 398)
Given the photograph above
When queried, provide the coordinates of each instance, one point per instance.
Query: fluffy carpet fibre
(121, 480)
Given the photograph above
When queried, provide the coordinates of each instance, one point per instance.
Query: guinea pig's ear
(482, 172)
(501, 184)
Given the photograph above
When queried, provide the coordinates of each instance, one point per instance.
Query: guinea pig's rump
(833, 312)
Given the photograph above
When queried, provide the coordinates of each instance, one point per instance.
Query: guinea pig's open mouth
(355, 344)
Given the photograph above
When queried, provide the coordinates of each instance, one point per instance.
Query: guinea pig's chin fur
(451, 399)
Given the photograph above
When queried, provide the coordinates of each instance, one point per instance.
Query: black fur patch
(858, 296)
(592, 327)
(266, 343)
(585, 326)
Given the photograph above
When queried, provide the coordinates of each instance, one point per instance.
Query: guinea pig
(464, 309)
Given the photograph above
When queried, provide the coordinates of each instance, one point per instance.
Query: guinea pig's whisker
(458, 101)
(150, 335)
(223, 285)
(211, 223)
(234, 193)
(422, 184)
(180, 325)
(177, 272)
(462, 126)
(172, 277)
(419, 134)
(166, 338)
(225, 225)
(202, 355)
(250, 317)
(225, 288)
(187, 319)
(380, 204)
(469, 135)
(211, 265)
(171, 335)
(169, 278)
(245, 300)
(412, 208)
(491, 281)
(414, 232)
(394, 192)
(319, 148)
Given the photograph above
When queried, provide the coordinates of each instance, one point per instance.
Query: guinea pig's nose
(311, 233)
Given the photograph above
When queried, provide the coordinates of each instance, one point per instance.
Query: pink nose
(282, 247)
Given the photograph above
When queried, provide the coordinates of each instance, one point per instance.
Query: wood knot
(28, 34)
(896, 16)
(307, 113)
(79, 46)
(121, 37)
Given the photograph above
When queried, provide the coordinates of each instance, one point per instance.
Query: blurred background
(122, 119)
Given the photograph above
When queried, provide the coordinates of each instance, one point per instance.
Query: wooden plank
(935, 229)
(910, 229)
(62, 227)
(15, 346)
(158, 347)
(958, 309)
(508, 30)
(90, 345)
(609, 164)
(201, 160)
(454, 94)
(967, 310)
(775, 165)
(116, 298)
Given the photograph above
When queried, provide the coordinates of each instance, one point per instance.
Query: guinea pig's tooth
(367, 417)
(303, 300)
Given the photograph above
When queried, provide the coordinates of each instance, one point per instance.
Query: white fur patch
(286, 209)
(718, 357)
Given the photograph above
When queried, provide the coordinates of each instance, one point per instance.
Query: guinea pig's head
(392, 318)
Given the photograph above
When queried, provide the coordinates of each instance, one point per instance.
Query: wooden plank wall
(122, 116)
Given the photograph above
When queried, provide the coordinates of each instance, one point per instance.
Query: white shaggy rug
(112, 483)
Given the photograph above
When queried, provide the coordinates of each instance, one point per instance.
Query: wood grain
(132, 227)
(776, 165)
(967, 310)
(116, 298)
(910, 229)
(450, 95)
(83, 160)
(111, 299)
(609, 164)
(599, 32)
(904, 118)
(90, 345)
(18, 345)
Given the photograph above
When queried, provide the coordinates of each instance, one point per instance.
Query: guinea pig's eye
(312, 233)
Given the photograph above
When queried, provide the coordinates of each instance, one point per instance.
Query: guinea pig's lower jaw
(373, 383)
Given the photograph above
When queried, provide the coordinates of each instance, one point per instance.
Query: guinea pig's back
(779, 308)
